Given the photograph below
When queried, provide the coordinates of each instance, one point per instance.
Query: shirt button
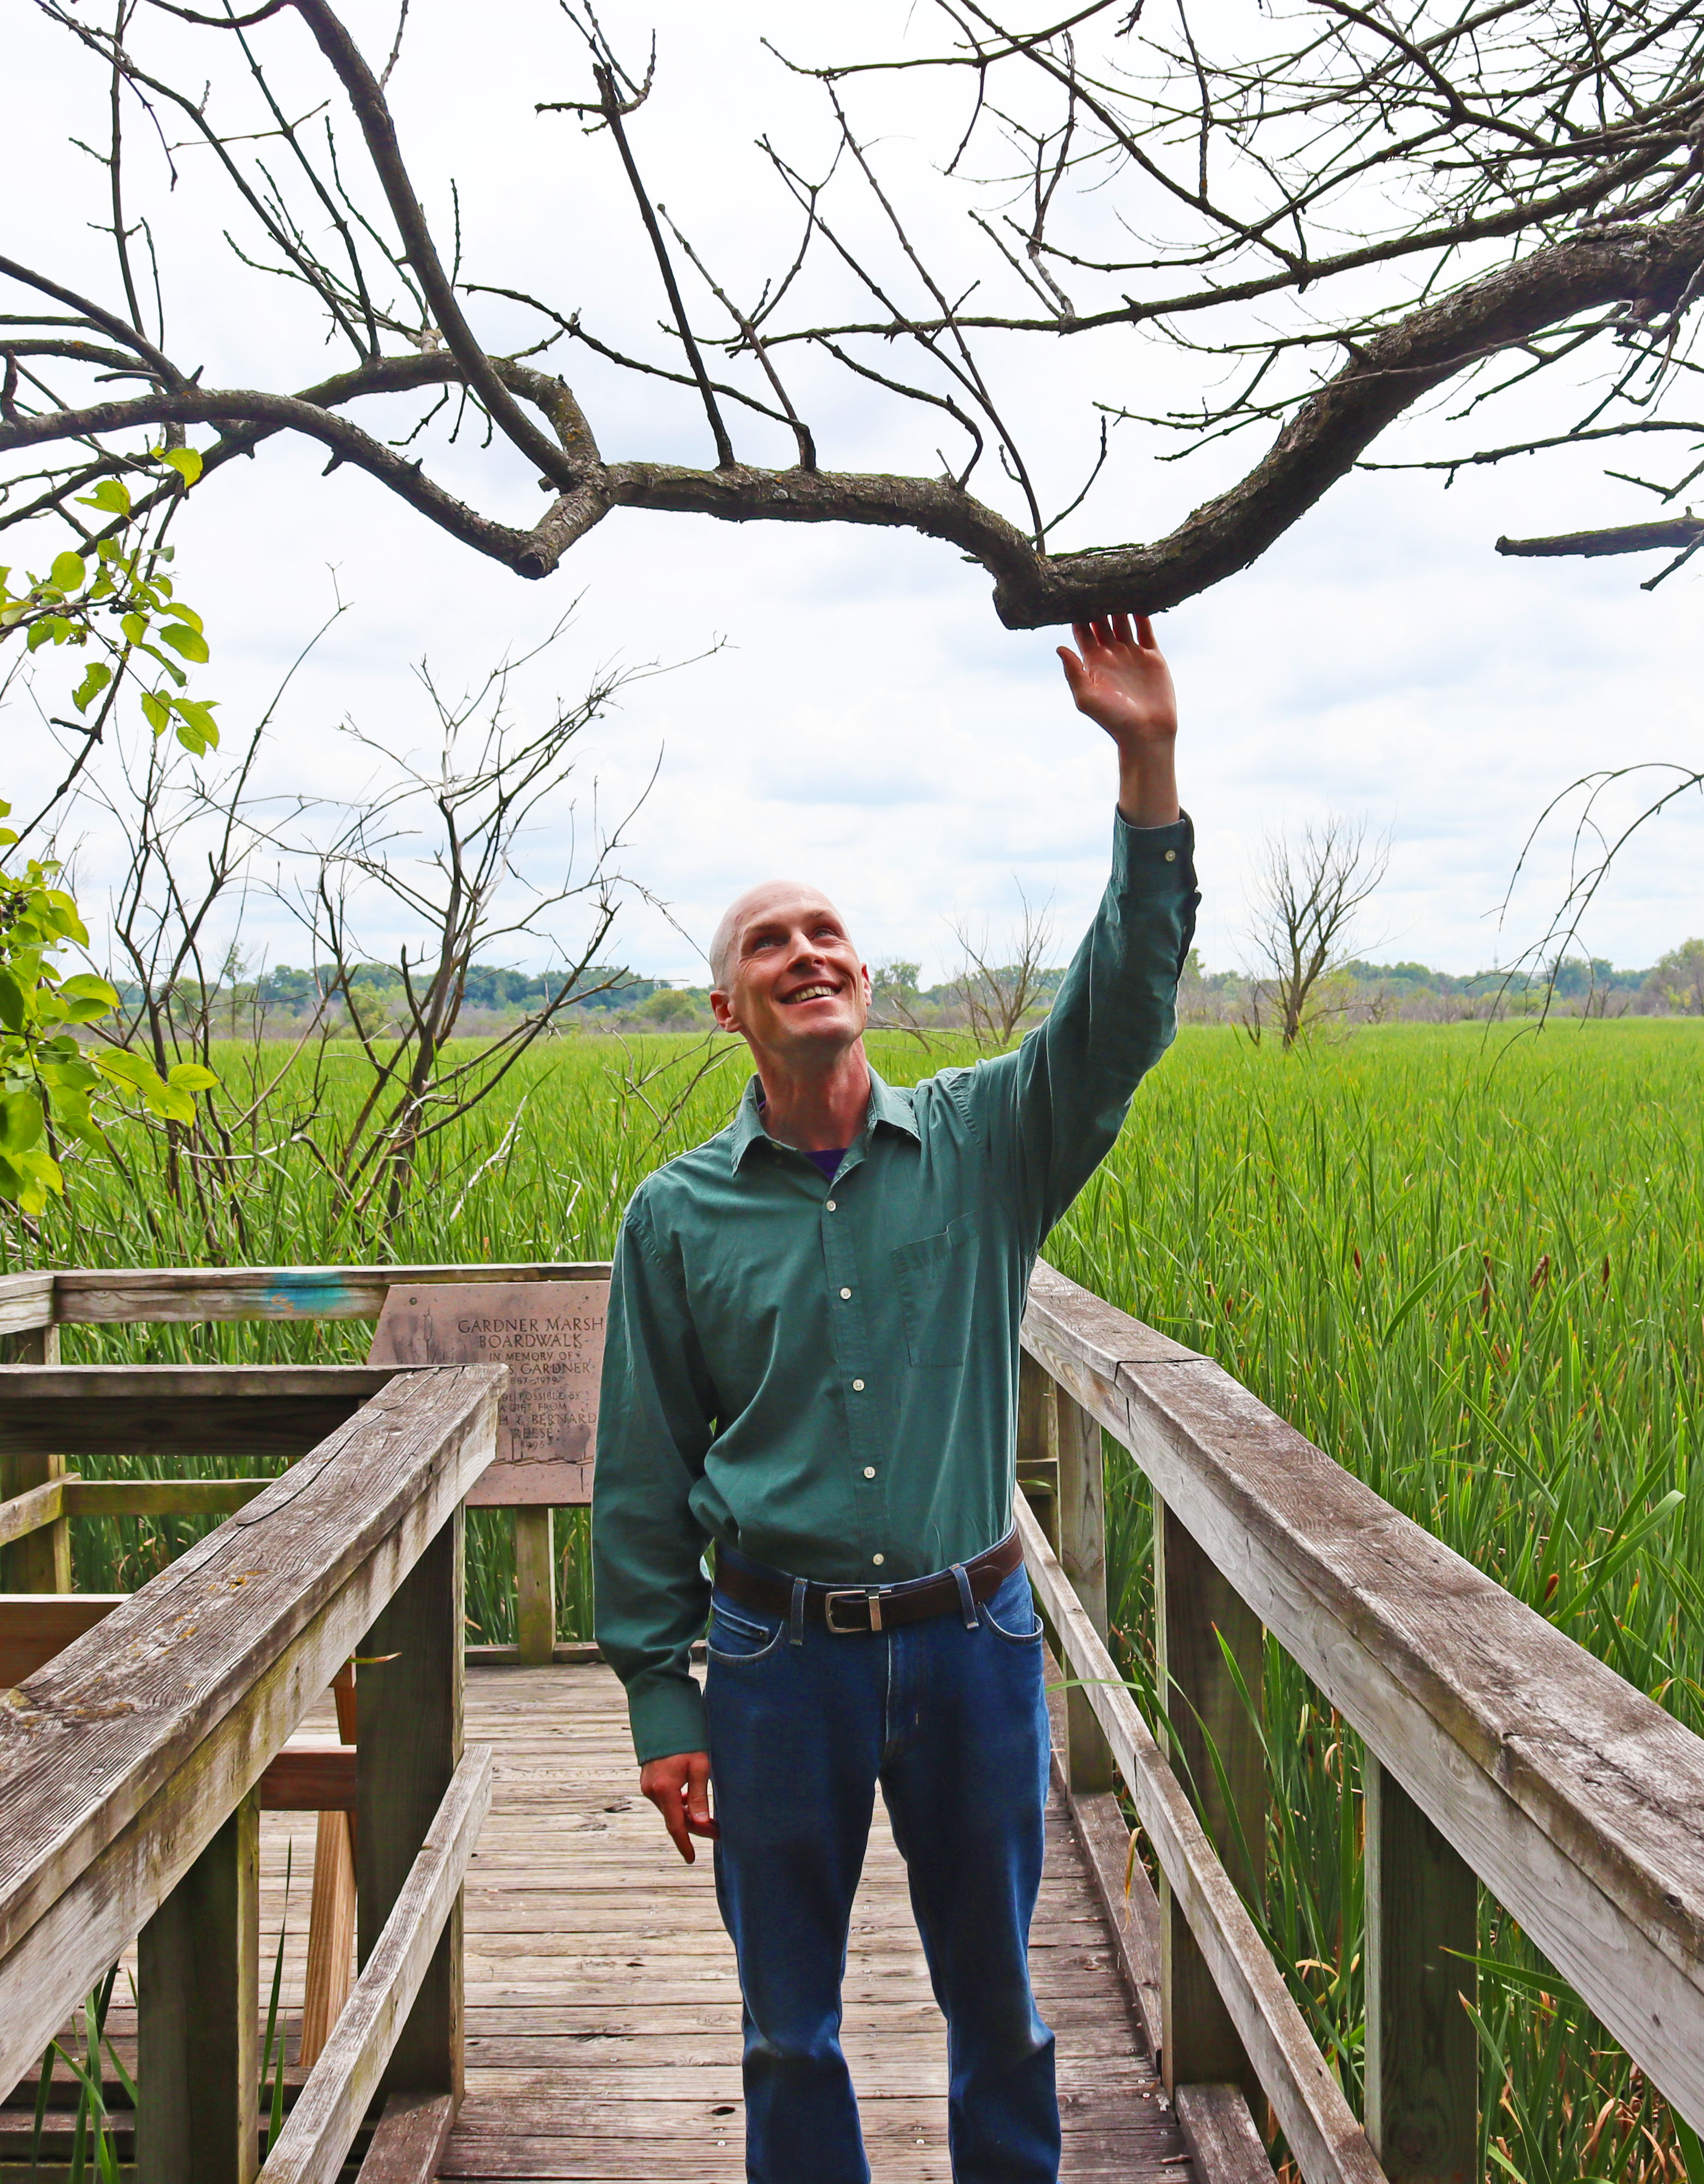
(870, 1471)
(878, 1558)
(858, 1386)
(845, 1293)
(1172, 856)
(829, 1207)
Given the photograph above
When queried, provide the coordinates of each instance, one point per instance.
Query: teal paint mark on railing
(316, 1293)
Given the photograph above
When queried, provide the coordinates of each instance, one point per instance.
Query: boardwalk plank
(603, 2011)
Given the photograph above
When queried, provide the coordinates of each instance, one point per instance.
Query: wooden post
(197, 2018)
(1215, 1753)
(330, 1971)
(1082, 1554)
(410, 1745)
(1038, 1468)
(1422, 2058)
(41, 1561)
(536, 1586)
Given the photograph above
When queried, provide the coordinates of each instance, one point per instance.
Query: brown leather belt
(847, 1609)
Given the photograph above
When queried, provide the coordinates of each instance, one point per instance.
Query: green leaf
(184, 460)
(14, 1006)
(72, 1072)
(170, 666)
(188, 615)
(72, 1116)
(128, 1067)
(68, 573)
(96, 677)
(134, 627)
(191, 1076)
(87, 987)
(112, 494)
(45, 632)
(197, 731)
(181, 639)
(41, 1176)
(155, 711)
(21, 1121)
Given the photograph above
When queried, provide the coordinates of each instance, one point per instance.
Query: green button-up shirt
(825, 1374)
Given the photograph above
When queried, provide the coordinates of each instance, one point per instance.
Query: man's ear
(722, 1008)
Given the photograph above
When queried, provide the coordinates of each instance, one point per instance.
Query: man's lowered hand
(679, 1788)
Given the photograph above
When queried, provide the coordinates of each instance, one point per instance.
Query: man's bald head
(787, 977)
(768, 896)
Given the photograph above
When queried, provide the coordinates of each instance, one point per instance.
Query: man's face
(795, 980)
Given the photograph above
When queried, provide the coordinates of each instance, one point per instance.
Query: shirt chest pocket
(936, 1280)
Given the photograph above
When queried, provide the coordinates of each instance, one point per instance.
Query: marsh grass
(1469, 1266)
(1471, 1269)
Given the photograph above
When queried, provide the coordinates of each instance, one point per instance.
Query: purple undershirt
(829, 1162)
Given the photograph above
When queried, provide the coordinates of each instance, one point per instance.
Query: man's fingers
(1084, 633)
(1075, 673)
(1120, 629)
(679, 1788)
(1144, 632)
(667, 1798)
(698, 1819)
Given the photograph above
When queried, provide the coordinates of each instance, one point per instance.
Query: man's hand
(679, 1788)
(1122, 681)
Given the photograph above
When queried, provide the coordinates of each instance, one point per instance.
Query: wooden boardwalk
(603, 2011)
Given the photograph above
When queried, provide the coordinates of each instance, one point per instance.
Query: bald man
(811, 1370)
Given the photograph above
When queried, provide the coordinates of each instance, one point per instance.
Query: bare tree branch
(1410, 195)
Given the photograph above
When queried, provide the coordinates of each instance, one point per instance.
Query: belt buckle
(871, 1610)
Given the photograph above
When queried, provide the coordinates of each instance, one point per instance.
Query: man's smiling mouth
(811, 994)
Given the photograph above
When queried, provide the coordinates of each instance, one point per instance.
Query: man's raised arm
(1051, 1112)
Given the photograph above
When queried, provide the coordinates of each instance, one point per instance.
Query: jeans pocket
(1014, 1601)
(1015, 1637)
(737, 1638)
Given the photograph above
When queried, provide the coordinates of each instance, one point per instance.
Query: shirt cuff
(1157, 860)
(667, 1717)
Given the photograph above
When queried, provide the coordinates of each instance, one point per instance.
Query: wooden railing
(34, 1308)
(1498, 1750)
(133, 1759)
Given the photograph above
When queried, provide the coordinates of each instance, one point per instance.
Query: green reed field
(1469, 1265)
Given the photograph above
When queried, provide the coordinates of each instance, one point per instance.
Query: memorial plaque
(550, 1335)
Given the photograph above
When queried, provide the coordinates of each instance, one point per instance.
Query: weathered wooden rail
(133, 1760)
(1499, 1753)
(34, 1308)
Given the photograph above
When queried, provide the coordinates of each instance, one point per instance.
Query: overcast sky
(866, 722)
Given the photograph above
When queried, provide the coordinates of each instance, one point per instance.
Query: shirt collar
(889, 1104)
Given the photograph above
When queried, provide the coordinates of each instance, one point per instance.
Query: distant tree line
(490, 990)
(1363, 992)
(1358, 991)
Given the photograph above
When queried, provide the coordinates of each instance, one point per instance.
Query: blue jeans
(952, 1722)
